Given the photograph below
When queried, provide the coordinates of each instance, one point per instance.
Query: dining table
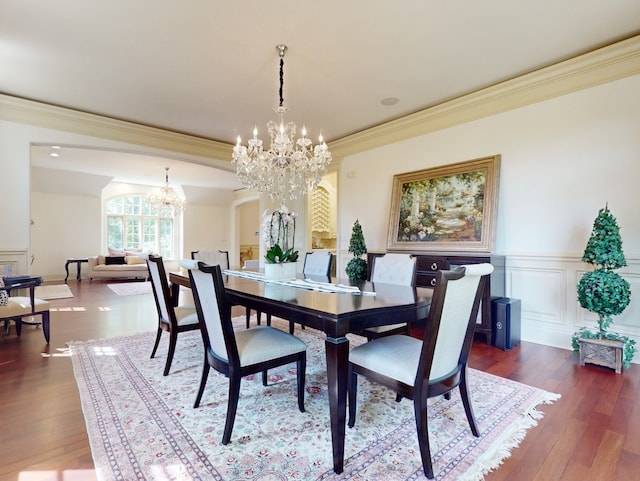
(336, 307)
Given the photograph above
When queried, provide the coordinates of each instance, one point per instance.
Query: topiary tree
(603, 291)
(357, 267)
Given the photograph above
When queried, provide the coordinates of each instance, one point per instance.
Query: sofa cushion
(131, 260)
(115, 260)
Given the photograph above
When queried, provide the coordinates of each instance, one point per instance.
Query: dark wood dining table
(335, 314)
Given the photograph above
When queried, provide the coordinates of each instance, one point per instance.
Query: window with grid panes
(133, 224)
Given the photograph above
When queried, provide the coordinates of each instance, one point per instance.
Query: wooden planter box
(602, 352)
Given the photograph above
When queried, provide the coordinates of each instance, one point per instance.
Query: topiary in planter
(603, 291)
(357, 267)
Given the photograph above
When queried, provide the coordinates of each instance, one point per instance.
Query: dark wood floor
(591, 434)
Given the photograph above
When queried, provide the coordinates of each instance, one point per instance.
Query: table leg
(66, 268)
(337, 351)
(79, 264)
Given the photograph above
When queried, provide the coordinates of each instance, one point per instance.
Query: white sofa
(133, 267)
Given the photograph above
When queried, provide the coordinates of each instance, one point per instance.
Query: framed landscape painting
(448, 208)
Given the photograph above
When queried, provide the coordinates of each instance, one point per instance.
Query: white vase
(281, 271)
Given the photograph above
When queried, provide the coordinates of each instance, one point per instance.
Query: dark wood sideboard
(428, 264)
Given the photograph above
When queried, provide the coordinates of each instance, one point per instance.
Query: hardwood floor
(591, 434)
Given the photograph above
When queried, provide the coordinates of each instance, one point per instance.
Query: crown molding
(597, 67)
(30, 112)
(594, 68)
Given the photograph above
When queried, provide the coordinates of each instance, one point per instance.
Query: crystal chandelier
(167, 198)
(291, 166)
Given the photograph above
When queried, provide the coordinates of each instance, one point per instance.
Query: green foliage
(275, 255)
(604, 247)
(603, 291)
(357, 267)
(356, 245)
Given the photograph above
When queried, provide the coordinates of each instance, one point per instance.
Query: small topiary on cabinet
(357, 267)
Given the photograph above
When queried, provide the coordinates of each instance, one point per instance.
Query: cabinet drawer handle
(433, 283)
(434, 267)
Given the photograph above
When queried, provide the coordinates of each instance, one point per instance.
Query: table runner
(307, 283)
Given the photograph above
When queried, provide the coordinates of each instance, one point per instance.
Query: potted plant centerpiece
(605, 293)
(279, 234)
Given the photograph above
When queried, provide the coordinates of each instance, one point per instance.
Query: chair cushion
(186, 315)
(21, 306)
(263, 343)
(381, 329)
(403, 350)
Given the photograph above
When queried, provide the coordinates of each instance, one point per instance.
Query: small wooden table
(78, 262)
(334, 314)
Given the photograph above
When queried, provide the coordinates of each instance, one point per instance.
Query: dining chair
(397, 269)
(172, 319)
(212, 257)
(254, 264)
(222, 258)
(237, 354)
(317, 263)
(433, 366)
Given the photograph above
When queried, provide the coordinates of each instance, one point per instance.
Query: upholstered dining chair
(212, 257)
(433, 366)
(254, 264)
(237, 354)
(221, 258)
(397, 269)
(172, 319)
(17, 308)
(317, 263)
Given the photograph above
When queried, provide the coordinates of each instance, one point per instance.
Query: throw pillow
(116, 252)
(4, 296)
(131, 260)
(114, 260)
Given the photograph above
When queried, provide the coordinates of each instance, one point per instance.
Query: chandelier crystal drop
(167, 198)
(290, 167)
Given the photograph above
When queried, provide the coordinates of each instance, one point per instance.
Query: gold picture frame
(446, 209)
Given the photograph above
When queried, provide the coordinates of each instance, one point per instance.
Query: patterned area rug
(131, 288)
(142, 426)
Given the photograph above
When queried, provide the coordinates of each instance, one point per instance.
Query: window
(133, 224)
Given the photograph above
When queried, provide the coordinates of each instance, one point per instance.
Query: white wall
(63, 227)
(206, 227)
(562, 160)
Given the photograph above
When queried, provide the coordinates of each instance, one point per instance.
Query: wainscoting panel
(13, 262)
(541, 293)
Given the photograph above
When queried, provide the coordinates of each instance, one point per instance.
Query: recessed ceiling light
(54, 154)
(55, 146)
(390, 101)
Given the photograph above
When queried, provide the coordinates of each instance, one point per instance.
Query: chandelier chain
(281, 80)
(289, 167)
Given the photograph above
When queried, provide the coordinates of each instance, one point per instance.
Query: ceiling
(209, 68)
